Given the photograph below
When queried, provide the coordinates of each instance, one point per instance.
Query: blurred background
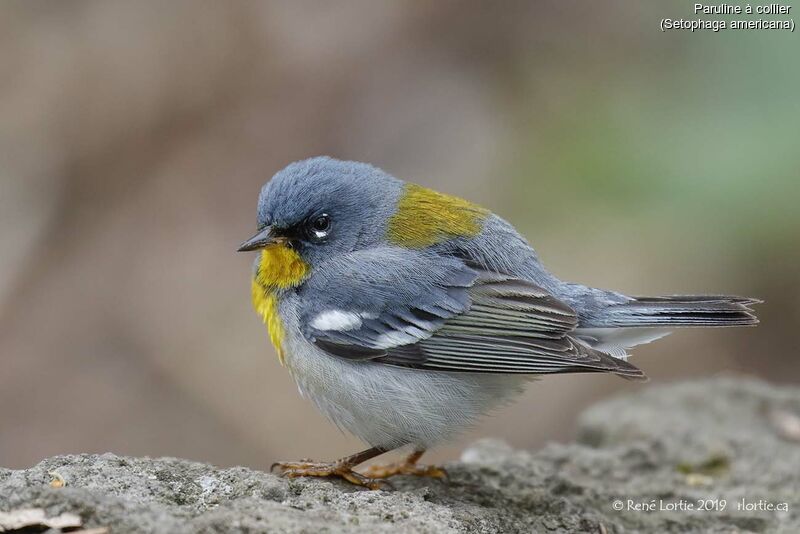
(134, 138)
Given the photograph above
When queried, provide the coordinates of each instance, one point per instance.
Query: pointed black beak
(262, 239)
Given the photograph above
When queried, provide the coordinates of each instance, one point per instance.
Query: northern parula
(405, 314)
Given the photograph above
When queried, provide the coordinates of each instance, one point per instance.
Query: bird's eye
(319, 227)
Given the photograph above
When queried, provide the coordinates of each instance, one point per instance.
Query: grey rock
(683, 443)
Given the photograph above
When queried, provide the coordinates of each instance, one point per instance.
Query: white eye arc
(320, 226)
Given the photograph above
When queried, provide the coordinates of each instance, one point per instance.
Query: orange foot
(329, 469)
(407, 467)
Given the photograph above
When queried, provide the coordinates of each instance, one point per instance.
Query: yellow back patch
(425, 217)
(279, 268)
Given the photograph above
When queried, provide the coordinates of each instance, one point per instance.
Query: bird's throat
(279, 268)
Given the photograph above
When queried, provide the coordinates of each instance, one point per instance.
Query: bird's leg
(409, 466)
(342, 468)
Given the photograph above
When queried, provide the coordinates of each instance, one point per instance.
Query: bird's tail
(682, 311)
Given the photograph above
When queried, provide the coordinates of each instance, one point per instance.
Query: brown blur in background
(134, 138)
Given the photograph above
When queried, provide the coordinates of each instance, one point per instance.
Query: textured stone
(714, 439)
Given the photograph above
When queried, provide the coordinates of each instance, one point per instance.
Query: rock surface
(726, 438)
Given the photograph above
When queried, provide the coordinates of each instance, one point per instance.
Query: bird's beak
(262, 239)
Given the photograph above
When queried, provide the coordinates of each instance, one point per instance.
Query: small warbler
(405, 314)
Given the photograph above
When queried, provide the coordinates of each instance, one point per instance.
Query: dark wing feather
(451, 318)
(512, 326)
(388, 298)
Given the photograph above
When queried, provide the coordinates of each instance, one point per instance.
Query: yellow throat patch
(425, 217)
(279, 268)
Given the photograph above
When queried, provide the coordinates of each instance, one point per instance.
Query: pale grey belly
(390, 406)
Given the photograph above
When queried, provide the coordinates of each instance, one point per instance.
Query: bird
(405, 314)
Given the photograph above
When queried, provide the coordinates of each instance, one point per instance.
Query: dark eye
(319, 226)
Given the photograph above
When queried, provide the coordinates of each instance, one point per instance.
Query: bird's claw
(330, 469)
(405, 468)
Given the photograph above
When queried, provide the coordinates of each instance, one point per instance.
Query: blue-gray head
(322, 206)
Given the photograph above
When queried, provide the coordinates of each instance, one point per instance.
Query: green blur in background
(134, 138)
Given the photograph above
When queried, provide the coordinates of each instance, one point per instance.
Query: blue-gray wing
(368, 302)
(426, 311)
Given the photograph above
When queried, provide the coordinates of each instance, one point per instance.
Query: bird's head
(320, 208)
(316, 209)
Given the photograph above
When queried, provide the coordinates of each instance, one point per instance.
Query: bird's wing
(418, 310)
(362, 304)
